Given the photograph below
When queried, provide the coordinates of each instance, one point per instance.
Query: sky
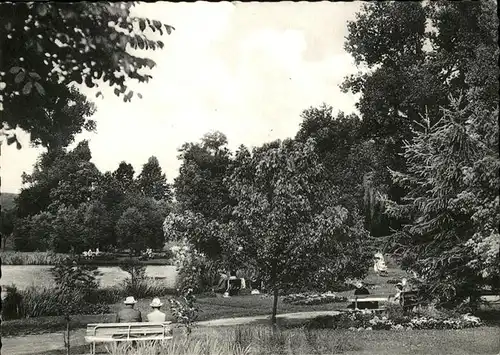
(245, 69)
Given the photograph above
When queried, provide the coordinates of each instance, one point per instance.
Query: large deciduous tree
(124, 175)
(417, 53)
(288, 223)
(351, 160)
(45, 47)
(200, 185)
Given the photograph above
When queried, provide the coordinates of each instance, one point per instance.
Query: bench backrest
(369, 298)
(234, 284)
(110, 329)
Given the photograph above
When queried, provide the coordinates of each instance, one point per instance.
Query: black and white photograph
(249, 178)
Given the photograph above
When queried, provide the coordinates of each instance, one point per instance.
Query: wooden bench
(120, 332)
(368, 298)
(409, 299)
(233, 286)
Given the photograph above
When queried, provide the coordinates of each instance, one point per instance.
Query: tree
(452, 207)
(34, 233)
(124, 174)
(352, 161)
(52, 45)
(7, 225)
(66, 115)
(288, 222)
(204, 234)
(60, 179)
(412, 67)
(152, 182)
(130, 230)
(200, 186)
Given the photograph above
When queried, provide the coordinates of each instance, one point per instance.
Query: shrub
(37, 302)
(145, 288)
(366, 320)
(313, 298)
(108, 295)
(32, 258)
(70, 275)
(184, 309)
(196, 271)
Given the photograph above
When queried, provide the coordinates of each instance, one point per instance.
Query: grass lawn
(484, 340)
(211, 308)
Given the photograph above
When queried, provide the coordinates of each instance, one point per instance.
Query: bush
(37, 302)
(367, 320)
(145, 288)
(32, 258)
(313, 298)
(196, 271)
(135, 268)
(108, 295)
(70, 275)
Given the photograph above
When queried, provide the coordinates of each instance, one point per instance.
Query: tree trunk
(68, 347)
(275, 307)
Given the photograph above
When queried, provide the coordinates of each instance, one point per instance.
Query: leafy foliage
(288, 222)
(353, 163)
(151, 182)
(52, 45)
(185, 310)
(452, 207)
(69, 275)
(413, 67)
(68, 205)
(200, 186)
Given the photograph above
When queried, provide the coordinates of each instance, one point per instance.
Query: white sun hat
(130, 300)
(156, 302)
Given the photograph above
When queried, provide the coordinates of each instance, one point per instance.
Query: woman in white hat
(156, 316)
(129, 314)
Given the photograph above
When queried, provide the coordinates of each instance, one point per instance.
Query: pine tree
(152, 182)
(451, 237)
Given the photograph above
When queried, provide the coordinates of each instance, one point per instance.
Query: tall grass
(246, 340)
(145, 288)
(32, 258)
(37, 302)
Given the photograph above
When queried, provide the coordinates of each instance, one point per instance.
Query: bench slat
(369, 299)
(109, 339)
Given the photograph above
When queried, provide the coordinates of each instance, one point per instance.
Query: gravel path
(34, 344)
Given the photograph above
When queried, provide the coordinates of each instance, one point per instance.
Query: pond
(24, 276)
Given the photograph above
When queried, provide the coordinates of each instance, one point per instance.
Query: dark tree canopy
(125, 176)
(200, 185)
(152, 182)
(65, 116)
(47, 46)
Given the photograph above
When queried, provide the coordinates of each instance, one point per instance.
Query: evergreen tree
(450, 238)
(152, 182)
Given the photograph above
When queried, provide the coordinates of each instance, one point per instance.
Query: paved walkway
(33, 344)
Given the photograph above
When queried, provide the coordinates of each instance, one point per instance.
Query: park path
(40, 343)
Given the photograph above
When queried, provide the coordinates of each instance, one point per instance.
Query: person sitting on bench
(156, 316)
(129, 314)
(222, 284)
(361, 290)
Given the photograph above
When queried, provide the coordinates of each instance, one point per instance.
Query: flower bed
(366, 320)
(313, 298)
